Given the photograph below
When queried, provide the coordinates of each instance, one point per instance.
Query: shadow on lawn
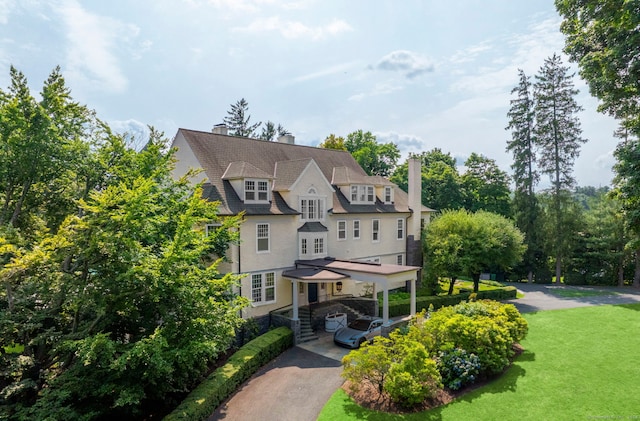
(507, 382)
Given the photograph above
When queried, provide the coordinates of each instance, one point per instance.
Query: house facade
(315, 226)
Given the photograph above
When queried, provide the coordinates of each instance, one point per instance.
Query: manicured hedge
(403, 307)
(204, 399)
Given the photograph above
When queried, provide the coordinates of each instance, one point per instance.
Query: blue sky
(422, 74)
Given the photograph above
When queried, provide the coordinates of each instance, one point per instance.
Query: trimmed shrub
(403, 307)
(204, 399)
(485, 328)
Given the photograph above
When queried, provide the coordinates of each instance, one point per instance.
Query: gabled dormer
(362, 189)
(251, 184)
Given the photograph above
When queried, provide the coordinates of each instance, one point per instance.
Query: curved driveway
(296, 385)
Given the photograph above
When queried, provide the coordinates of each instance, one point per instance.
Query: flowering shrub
(458, 368)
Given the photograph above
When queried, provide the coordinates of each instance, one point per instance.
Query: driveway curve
(296, 385)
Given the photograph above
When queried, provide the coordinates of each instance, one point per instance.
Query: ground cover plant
(577, 364)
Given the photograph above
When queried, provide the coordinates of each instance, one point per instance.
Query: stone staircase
(306, 332)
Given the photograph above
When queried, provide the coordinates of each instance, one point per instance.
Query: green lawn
(579, 364)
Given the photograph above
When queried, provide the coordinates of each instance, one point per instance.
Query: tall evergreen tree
(558, 138)
(271, 132)
(525, 203)
(238, 120)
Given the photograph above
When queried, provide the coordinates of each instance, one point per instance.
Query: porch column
(375, 291)
(412, 308)
(385, 304)
(295, 299)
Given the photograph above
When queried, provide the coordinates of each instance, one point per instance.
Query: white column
(385, 304)
(375, 291)
(413, 297)
(295, 299)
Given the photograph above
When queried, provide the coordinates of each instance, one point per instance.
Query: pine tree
(238, 120)
(525, 203)
(557, 134)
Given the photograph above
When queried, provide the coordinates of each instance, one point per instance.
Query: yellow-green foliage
(204, 399)
(397, 365)
(485, 328)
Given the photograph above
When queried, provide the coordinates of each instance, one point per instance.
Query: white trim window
(375, 230)
(362, 194)
(388, 195)
(263, 240)
(400, 260)
(356, 229)
(312, 206)
(318, 245)
(256, 191)
(342, 230)
(263, 288)
(400, 231)
(312, 245)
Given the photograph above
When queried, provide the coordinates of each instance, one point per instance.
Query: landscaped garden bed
(440, 354)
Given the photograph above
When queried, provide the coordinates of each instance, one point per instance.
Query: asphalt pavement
(296, 385)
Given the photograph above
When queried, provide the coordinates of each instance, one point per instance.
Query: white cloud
(409, 63)
(92, 41)
(405, 142)
(136, 132)
(293, 29)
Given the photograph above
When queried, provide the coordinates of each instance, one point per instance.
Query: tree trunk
(558, 269)
(621, 271)
(636, 275)
(476, 282)
(9, 297)
(16, 212)
(530, 277)
(451, 283)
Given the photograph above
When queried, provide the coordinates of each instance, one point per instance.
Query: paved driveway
(296, 385)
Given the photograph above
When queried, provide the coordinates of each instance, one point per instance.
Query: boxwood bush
(403, 307)
(203, 400)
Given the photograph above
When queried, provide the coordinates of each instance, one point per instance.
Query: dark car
(358, 331)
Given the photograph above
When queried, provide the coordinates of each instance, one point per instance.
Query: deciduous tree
(485, 186)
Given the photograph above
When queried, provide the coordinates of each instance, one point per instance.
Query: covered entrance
(333, 271)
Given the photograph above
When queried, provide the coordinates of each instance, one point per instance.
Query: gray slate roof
(237, 156)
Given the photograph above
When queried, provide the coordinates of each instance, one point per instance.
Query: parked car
(358, 331)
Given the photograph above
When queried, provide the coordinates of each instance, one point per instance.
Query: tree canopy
(375, 158)
(115, 299)
(459, 243)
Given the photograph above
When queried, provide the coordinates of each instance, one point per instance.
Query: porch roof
(314, 274)
(354, 266)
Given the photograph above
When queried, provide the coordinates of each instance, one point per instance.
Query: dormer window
(256, 191)
(362, 194)
(388, 195)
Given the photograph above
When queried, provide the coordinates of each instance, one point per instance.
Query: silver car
(358, 331)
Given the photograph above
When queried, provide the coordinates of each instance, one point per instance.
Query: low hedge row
(204, 399)
(403, 307)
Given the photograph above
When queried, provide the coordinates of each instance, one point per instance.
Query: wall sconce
(339, 286)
